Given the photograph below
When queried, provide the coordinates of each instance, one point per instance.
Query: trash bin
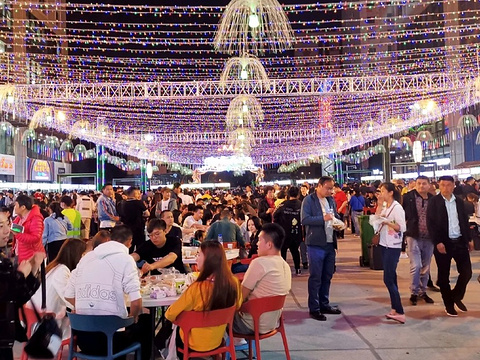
(366, 234)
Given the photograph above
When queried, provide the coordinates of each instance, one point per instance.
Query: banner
(39, 170)
(7, 164)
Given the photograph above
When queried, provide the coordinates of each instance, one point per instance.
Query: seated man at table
(159, 252)
(92, 294)
(267, 275)
(230, 231)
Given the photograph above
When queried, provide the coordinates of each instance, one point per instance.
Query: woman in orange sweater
(215, 288)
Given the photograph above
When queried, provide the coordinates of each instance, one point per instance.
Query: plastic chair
(107, 324)
(256, 307)
(189, 320)
(31, 319)
(246, 261)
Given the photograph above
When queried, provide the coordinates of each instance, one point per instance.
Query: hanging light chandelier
(246, 67)
(253, 26)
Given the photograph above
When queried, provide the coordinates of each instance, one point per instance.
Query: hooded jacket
(30, 241)
(101, 279)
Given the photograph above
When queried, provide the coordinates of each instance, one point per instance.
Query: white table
(152, 305)
(230, 253)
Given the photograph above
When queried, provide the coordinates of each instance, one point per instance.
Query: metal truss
(117, 92)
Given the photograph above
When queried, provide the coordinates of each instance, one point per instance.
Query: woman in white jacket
(389, 220)
(58, 273)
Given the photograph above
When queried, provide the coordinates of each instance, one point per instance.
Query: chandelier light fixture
(253, 27)
(246, 67)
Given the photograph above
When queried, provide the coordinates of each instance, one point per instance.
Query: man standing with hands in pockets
(447, 223)
(318, 211)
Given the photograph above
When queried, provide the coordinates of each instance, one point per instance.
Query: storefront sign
(7, 164)
(39, 170)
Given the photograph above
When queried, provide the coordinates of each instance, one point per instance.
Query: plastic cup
(188, 253)
(230, 246)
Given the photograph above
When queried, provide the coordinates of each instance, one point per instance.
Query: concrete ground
(362, 329)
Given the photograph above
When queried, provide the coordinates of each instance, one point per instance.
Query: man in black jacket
(447, 224)
(287, 216)
(420, 245)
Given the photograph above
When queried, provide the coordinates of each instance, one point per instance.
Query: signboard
(39, 170)
(7, 164)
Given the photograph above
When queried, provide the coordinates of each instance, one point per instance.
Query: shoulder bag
(46, 337)
(376, 236)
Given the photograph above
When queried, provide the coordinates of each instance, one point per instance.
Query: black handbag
(46, 337)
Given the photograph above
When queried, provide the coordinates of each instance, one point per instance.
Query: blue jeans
(420, 254)
(322, 264)
(356, 220)
(390, 258)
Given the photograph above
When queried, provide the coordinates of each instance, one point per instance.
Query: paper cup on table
(230, 246)
(188, 253)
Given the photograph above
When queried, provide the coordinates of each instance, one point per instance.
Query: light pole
(417, 151)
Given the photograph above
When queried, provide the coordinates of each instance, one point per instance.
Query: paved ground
(362, 330)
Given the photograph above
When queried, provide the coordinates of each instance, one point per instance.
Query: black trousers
(292, 245)
(457, 251)
(95, 343)
(6, 354)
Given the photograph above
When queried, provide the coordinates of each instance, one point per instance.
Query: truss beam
(103, 92)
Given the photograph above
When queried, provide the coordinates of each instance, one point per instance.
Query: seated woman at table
(215, 288)
(254, 225)
(160, 252)
(58, 272)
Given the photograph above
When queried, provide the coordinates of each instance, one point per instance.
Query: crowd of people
(82, 235)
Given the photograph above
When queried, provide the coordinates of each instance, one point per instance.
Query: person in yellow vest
(73, 215)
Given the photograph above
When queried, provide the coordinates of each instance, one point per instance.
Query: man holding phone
(29, 241)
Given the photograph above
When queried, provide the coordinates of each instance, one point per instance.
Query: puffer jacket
(30, 241)
(15, 291)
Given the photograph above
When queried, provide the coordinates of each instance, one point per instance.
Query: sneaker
(317, 315)
(427, 299)
(305, 265)
(413, 299)
(239, 341)
(403, 255)
(460, 305)
(433, 288)
(331, 310)
(450, 310)
(397, 317)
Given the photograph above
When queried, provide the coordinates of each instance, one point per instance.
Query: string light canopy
(114, 67)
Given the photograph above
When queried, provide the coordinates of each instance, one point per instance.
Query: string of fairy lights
(136, 43)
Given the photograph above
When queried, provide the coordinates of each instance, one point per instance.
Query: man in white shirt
(267, 275)
(193, 223)
(85, 207)
(92, 294)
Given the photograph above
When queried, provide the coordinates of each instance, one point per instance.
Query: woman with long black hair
(389, 221)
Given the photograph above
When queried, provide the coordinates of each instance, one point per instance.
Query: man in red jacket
(30, 240)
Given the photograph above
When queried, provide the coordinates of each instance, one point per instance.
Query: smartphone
(17, 228)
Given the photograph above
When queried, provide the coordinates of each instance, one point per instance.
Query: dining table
(152, 305)
(231, 254)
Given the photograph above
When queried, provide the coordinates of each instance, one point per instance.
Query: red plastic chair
(256, 307)
(189, 320)
(246, 261)
(30, 320)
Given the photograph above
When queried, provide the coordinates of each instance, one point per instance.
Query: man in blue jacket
(318, 211)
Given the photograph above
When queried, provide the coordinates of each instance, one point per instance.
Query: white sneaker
(239, 341)
(403, 255)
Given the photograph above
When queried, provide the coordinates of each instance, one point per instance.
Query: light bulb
(244, 74)
(245, 108)
(61, 116)
(10, 99)
(253, 21)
